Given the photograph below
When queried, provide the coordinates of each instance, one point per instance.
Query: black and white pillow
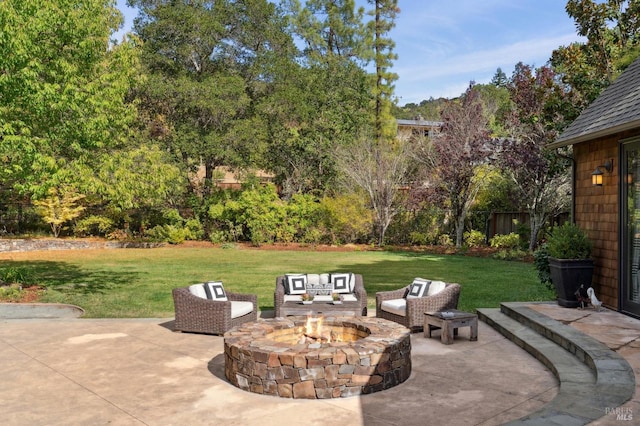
(418, 288)
(341, 283)
(295, 284)
(215, 291)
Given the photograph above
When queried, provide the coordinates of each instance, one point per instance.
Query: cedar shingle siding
(596, 210)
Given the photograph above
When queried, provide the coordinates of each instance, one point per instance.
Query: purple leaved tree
(541, 176)
(452, 156)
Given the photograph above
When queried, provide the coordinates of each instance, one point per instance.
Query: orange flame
(313, 329)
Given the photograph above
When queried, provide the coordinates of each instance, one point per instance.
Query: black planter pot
(567, 275)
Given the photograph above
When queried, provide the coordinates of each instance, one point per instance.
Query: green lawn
(121, 283)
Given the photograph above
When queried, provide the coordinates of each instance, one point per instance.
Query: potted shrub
(570, 263)
(307, 299)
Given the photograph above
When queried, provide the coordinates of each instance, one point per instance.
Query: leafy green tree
(612, 31)
(307, 118)
(210, 64)
(330, 29)
(132, 182)
(499, 79)
(498, 195)
(384, 14)
(59, 207)
(63, 88)
(497, 104)
(322, 104)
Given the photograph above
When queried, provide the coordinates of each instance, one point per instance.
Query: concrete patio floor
(139, 372)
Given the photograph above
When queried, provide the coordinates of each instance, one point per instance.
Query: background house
(606, 138)
(418, 128)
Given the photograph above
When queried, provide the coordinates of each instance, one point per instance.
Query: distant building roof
(616, 109)
(419, 123)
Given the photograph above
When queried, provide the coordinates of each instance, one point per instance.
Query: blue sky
(442, 46)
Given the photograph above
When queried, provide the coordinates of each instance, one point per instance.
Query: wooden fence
(502, 223)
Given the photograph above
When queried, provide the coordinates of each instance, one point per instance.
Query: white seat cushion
(395, 306)
(435, 287)
(292, 298)
(349, 297)
(319, 298)
(239, 309)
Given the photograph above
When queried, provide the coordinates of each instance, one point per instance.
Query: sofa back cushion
(436, 287)
(198, 290)
(318, 285)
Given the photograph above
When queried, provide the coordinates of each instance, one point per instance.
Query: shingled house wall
(596, 211)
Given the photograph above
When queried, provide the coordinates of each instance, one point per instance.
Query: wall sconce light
(596, 176)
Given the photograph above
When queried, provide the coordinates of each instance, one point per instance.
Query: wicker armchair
(197, 315)
(416, 307)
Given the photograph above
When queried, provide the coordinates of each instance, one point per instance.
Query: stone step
(592, 377)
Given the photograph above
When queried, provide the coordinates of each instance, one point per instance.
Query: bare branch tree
(380, 170)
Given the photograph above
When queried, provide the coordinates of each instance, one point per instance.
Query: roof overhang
(595, 135)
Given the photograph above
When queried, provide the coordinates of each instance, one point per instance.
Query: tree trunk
(460, 230)
(536, 220)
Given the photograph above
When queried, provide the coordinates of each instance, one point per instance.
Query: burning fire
(313, 331)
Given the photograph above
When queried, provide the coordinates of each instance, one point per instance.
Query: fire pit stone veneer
(274, 357)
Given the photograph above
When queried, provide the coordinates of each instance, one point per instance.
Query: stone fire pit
(348, 356)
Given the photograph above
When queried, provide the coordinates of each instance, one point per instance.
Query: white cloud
(533, 52)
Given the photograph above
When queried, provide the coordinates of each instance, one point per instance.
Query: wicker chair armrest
(361, 294)
(278, 295)
(241, 297)
(358, 288)
(280, 285)
(446, 299)
(184, 299)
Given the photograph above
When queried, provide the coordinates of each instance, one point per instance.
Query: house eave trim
(594, 135)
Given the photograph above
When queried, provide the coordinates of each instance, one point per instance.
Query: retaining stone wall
(43, 244)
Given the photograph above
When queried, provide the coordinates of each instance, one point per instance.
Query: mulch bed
(29, 294)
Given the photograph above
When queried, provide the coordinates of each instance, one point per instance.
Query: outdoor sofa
(287, 296)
